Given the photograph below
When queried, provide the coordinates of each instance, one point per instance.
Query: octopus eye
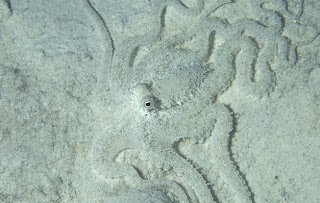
(147, 104)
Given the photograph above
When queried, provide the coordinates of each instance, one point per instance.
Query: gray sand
(160, 101)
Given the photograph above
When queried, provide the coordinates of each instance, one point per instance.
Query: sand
(160, 101)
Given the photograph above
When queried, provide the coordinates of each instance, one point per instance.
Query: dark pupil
(147, 104)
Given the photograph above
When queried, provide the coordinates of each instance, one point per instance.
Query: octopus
(163, 89)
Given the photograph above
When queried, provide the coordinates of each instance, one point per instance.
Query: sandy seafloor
(74, 126)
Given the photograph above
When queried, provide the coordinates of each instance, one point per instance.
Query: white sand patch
(159, 101)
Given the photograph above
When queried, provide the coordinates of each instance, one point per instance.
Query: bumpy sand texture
(159, 101)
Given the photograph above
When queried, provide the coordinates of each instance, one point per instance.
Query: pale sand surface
(160, 101)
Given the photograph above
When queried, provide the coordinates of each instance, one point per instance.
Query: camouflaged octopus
(163, 89)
